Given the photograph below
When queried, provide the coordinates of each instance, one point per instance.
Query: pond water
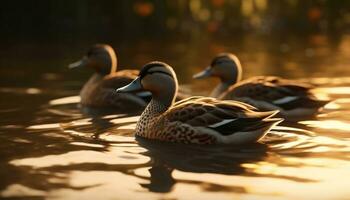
(51, 149)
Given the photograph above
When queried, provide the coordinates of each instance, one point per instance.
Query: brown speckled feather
(293, 99)
(204, 120)
(205, 111)
(267, 89)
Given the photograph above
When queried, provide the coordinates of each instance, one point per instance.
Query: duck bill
(203, 74)
(134, 86)
(81, 63)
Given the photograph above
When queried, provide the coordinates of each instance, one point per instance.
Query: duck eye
(219, 62)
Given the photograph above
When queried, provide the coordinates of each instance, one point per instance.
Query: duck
(292, 98)
(99, 90)
(196, 119)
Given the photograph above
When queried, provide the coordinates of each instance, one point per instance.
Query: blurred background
(291, 38)
(51, 149)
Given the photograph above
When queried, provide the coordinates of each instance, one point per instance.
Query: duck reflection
(161, 179)
(218, 159)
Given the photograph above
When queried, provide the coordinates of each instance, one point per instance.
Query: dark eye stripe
(218, 60)
(162, 72)
(149, 66)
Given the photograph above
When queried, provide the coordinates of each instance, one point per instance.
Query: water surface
(52, 149)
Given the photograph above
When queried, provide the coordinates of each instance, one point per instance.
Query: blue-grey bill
(79, 63)
(134, 86)
(203, 74)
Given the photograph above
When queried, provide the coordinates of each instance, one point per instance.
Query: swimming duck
(198, 120)
(293, 99)
(99, 91)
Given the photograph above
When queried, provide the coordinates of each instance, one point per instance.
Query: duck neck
(231, 79)
(113, 65)
(218, 90)
(155, 108)
(95, 78)
(113, 60)
(160, 103)
(89, 88)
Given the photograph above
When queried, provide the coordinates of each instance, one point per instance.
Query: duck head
(100, 57)
(158, 78)
(225, 66)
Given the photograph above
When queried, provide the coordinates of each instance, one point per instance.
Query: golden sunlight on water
(54, 149)
(65, 100)
(98, 155)
(328, 124)
(44, 126)
(115, 155)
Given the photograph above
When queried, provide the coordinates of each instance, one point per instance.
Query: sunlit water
(50, 148)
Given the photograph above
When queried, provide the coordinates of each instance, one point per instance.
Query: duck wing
(291, 86)
(225, 117)
(284, 93)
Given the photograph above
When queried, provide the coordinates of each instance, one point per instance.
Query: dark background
(136, 19)
(293, 38)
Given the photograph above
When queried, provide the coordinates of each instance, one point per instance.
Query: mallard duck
(292, 98)
(99, 91)
(198, 120)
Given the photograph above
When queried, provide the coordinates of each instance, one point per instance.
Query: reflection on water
(52, 148)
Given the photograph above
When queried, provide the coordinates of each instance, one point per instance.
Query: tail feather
(251, 134)
(265, 124)
(322, 103)
(262, 115)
